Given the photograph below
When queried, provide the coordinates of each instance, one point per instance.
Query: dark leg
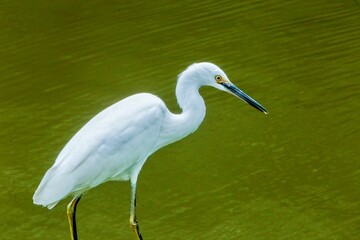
(71, 212)
(133, 220)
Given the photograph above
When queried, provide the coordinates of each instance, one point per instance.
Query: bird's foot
(135, 227)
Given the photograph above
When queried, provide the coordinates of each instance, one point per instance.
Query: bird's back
(111, 146)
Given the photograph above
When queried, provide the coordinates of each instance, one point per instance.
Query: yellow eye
(218, 78)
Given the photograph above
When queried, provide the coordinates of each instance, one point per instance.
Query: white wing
(111, 146)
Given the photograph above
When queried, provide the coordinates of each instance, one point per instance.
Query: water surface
(292, 174)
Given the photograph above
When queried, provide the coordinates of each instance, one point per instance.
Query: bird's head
(209, 74)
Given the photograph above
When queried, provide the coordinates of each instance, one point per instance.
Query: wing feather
(109, 147)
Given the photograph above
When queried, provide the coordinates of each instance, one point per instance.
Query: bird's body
(115, 144)
(107, 147)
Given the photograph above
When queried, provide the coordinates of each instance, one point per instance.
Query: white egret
(115, 144)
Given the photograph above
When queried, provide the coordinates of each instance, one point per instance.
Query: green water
(292, 174)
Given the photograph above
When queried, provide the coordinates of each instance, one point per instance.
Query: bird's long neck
(191, 104)
(178, 126)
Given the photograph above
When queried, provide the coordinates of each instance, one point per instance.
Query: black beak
(240, 94)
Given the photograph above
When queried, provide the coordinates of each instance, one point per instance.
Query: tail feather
(53, 188)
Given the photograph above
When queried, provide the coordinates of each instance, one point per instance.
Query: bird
(114, 145)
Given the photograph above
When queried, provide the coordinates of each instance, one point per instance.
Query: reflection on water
(292, 174)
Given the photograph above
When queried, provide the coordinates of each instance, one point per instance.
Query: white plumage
(115, 144)
(106, 148)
